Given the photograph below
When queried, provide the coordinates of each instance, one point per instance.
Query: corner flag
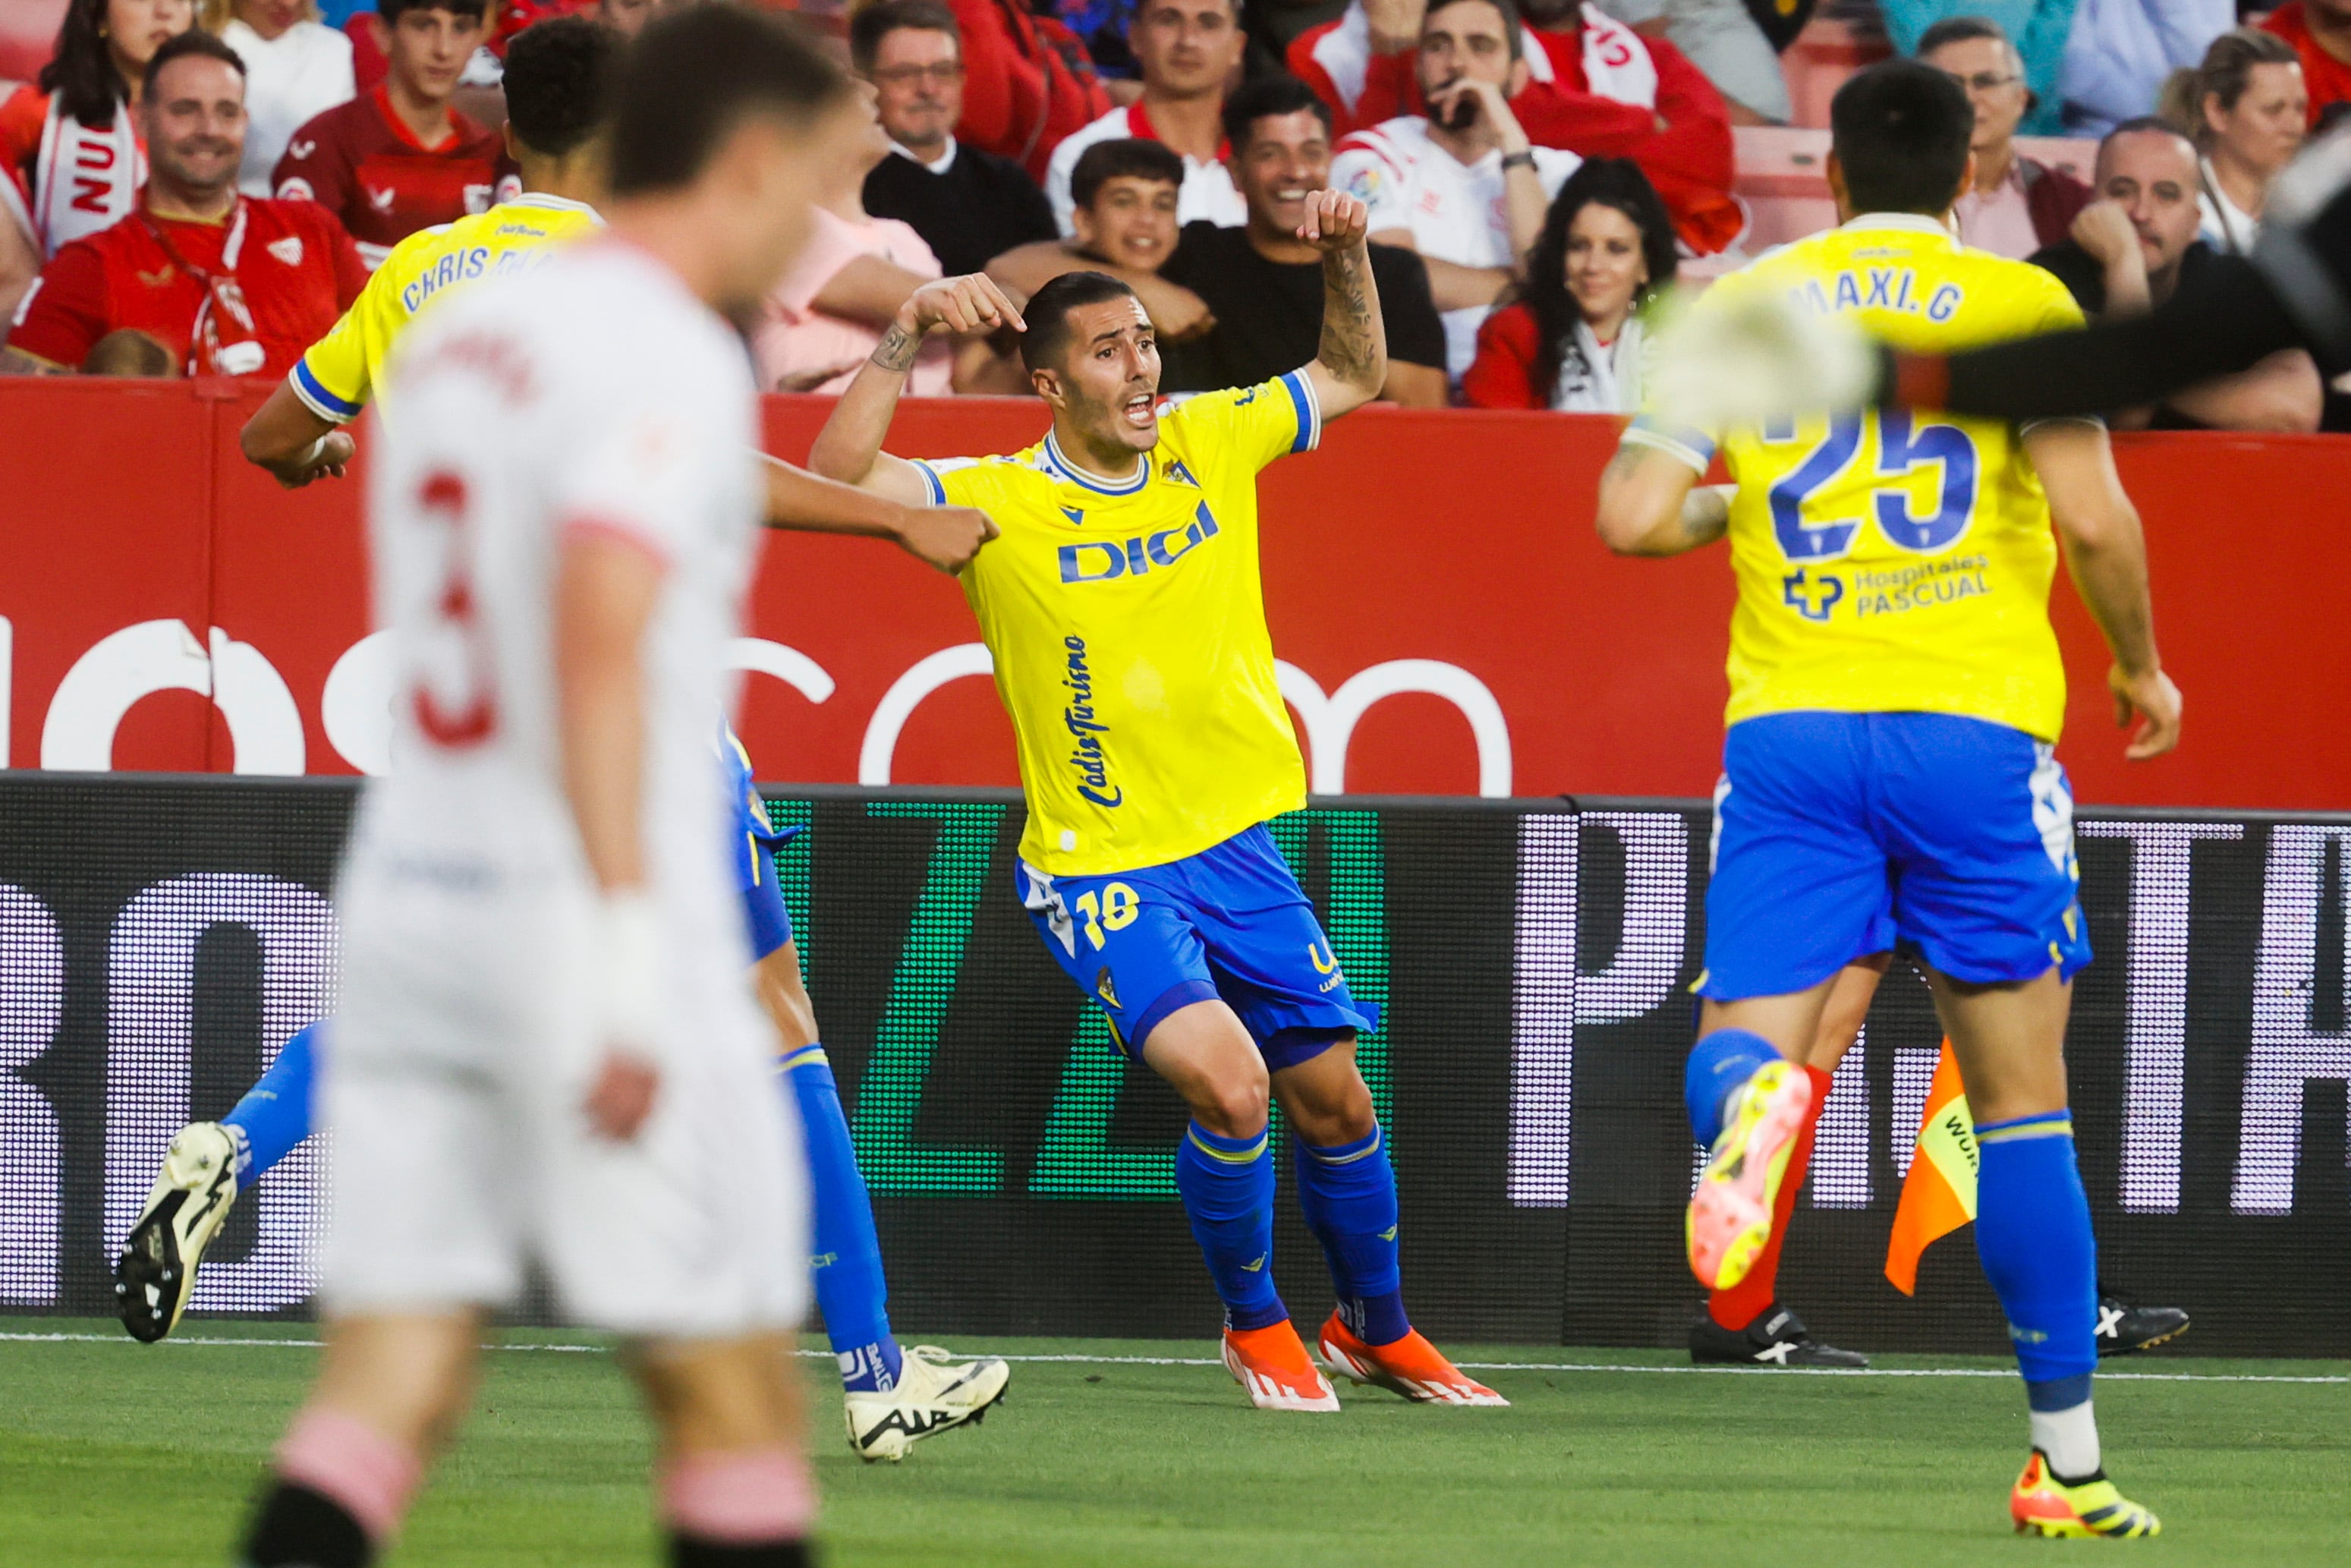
(1939, 1196)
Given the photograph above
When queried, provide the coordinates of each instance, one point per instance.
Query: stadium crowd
(200, 186)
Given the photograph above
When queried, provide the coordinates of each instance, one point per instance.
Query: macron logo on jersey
(1099, 561)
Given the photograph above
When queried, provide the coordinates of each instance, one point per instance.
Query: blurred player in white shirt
(545, 1053)
(1462, 185)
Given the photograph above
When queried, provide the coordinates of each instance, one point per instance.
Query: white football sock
(2070, 1438)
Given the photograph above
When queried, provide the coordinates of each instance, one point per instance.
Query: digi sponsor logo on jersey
(1892, 288)
(1099, 561)
(1087, 731)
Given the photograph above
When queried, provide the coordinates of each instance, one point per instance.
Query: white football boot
(936, 1393)
(156, 1273)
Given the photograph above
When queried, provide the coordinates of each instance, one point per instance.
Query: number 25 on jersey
(1905, 446)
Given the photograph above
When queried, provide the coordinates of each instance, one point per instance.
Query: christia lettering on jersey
(472, 262)
(1092, 766)
(1099, 561)
(1894, 289)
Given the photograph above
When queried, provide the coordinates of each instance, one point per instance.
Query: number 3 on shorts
(1115, 910)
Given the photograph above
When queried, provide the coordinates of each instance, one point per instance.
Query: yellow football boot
(2042, 1505)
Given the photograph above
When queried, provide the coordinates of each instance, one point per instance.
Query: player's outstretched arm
(2105, 554)
(286, 436)
(942, 536)
(1352, 363)
(848, 450)
(1652, 504)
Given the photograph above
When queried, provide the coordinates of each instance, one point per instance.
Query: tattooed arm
(1651, 504)
(849, 448)
(1352, 364)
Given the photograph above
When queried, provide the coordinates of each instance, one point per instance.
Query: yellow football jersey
(1890, 561)
(1127, 624)
(338, 374)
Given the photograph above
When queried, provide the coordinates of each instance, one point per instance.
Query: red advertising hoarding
(1447, 621)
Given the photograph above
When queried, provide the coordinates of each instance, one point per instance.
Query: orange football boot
(1271, 1364)
(1411, 1367)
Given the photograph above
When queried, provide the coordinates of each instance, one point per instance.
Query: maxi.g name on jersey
(1099, 561)
(1892, 288)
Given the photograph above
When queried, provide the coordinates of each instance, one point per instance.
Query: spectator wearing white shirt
(1189, 50)
(296, 67)
(1462, 185)
(2248, 109)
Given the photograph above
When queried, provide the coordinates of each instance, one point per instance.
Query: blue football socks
(2032, 1232)
(851, 1290)
(1348, 1193)
(1720, 1063)
(1227, 1185)
(275, 1113)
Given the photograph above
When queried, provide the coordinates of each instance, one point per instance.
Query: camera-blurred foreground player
(558, 84)
(1889, 776)
(1123, 610)
(543, 1053)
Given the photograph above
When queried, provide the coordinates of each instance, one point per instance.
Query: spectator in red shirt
(230, 284)
(1595, 88)
(2320, 32)
(1027, 82)
(71, 164)
(399, 157)
(1577, 339)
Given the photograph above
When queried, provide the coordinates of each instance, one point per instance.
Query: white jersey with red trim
(593, 395)
(1454, 211)
(1207, 192)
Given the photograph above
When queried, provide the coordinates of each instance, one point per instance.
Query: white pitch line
(1077, 1360)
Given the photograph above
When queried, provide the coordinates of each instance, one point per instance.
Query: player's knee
(1339, 1111)
(1233, 1104)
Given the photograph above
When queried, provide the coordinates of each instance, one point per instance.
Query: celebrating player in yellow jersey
(1123, 609)
(1888, 776)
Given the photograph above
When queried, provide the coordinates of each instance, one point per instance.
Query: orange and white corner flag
(1939, 1196)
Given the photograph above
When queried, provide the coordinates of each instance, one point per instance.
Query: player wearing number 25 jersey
(1891, 564)
(1891, 561)
(1888, 778)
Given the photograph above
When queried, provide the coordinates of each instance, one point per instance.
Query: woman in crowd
(295, 67)
(1575, 338)
(2247, 109)
(72, 164)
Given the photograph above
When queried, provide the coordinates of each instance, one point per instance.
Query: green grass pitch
(111, 1453)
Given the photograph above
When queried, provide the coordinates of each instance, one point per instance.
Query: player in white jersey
(1463, 185)
(545, 1054)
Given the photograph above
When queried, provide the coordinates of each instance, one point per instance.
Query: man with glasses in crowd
(968, 205)
(2017, 204)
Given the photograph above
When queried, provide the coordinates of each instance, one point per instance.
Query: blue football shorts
(1841, 834)
(1230, 923)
